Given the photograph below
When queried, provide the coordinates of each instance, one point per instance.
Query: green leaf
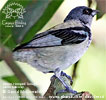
(101, 7)
(100, 14)
(13, 80)
(6, 33)
(48, 13)
(37, 14)
(33, 12)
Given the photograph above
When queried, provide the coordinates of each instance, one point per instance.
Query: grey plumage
(46, 51)
(60, 46)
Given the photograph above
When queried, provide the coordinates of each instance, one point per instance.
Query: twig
(89, 3)
(74, 75)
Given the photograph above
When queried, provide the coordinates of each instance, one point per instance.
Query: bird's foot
(69, 77)
(69, 90)
(59, 74)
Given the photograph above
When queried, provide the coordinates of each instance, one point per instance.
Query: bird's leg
(69, 77)
(58, 74)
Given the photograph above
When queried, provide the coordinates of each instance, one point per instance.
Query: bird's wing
(57, 37)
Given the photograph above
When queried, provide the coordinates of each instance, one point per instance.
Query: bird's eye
(87, 11)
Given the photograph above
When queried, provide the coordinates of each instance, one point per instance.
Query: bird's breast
(61, 56)
(75, 52)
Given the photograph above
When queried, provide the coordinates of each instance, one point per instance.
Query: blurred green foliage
(37, 14)
(15, 80)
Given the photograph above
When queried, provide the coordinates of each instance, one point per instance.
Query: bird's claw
(64, 74)
(67, 90)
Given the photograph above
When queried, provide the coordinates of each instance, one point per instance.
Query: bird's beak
(95, 12)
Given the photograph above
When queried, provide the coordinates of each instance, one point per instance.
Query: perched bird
(61, 46)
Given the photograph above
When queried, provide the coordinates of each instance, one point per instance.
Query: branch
(56, 86)
(6, 55)
(89, 3)
(74, 75)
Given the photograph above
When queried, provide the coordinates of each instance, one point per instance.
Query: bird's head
(82, 13)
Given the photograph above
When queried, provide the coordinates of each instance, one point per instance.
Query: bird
(60, 46)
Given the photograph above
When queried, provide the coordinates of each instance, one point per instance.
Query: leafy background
(41, 15)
